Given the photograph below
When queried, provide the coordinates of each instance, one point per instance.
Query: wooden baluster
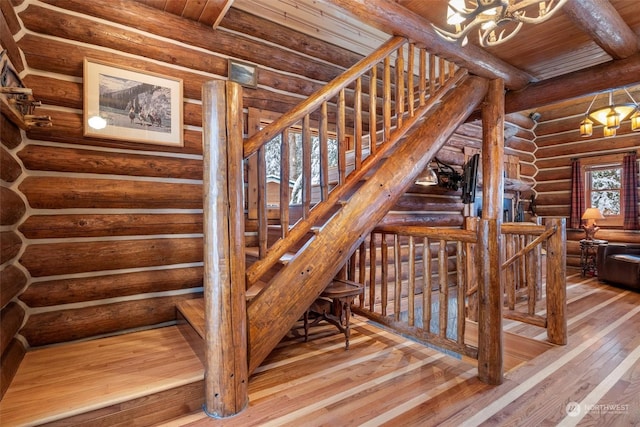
(285, 192)
(384, 268)
(471, 224)
(460, 302)
(422, 77)
(372, 272)
(357, 111)
(441, 69)
(411, 294)
(262, 203)
(342, 139)
(362, 269)
(397, 292)
(410, 87)
(427, 286)
(443, 309)
(352, 268)
(432, 74)
(306, 167)
(510, 277)
(400, 87)
(386, 98)
(452, 69)
(531, 280)
(373, 113)
(323, 135)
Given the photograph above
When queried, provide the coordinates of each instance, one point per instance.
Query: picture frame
(132, 105)
(243, 73)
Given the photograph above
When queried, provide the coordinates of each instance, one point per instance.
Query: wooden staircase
(286, 294)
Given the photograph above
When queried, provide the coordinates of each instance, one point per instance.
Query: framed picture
(243, 73)
(131, 105)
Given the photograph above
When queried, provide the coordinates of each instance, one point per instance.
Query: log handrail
(531, 246)
(259, 139)
(435, 233)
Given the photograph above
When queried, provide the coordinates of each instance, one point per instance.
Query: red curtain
(577, 195)
(630, 191)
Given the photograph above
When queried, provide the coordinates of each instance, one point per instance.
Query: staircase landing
(147, 376)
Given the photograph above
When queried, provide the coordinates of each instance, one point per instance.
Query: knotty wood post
(226, 366)
(556, 282)
(490, 286)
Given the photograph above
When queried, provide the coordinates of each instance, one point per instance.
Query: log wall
(101, 236)
(558, 140)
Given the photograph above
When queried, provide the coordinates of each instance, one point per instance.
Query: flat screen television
(470, 179)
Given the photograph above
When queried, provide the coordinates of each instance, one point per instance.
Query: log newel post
(556, 282)
(490, 286)
(226, 367)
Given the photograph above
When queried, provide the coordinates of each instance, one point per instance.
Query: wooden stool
(341, 293)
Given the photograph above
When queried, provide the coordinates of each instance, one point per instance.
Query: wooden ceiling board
(175, 6)
(193, 9)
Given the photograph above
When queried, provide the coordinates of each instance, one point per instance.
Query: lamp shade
(592, 213)
(429, 177)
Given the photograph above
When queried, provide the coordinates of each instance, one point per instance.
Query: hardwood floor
(386, 380)
(383, 379)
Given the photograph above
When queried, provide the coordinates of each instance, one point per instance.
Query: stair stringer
(275, 310)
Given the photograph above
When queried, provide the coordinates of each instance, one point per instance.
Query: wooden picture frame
(243, 73)
(131, 105)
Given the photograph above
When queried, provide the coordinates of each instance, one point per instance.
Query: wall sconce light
(428, 178)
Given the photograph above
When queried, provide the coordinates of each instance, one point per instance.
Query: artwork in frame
(243, 73)
(127, 104)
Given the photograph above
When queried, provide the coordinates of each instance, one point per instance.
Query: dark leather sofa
(619, 264)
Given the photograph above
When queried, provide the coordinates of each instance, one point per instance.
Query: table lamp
(590, 216)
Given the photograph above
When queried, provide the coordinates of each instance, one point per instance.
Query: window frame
(596, 163)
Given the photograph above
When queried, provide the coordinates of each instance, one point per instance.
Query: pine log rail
(522, 274)
(400, 291)
(370, 144)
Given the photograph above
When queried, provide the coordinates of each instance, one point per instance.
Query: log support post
(556, 282)
(490, 286)
(226, 367)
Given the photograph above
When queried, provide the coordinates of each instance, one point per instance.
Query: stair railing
(367, 111)
(415, 283)
(524, 286)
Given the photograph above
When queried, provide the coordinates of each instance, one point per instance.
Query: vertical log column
(556, 282)
(490, 287)
(226, 368)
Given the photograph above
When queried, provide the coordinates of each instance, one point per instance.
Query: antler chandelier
(496, 20)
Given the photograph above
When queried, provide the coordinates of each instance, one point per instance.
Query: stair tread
(254, 252)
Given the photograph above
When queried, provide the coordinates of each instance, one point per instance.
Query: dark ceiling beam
(589, 81)
(389, 16)
(601, 22)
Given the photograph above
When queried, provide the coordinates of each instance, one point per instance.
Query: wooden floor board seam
(601, 389)
(501, 402)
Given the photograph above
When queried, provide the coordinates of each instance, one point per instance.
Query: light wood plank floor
(383, 379)
(386, 380)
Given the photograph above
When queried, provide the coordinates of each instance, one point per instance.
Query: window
(603, 188)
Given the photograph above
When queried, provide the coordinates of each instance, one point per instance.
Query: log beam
(226, 375)
(588, 81)
(393, 18)
(294, 288)
(490, 286)
(600, 20)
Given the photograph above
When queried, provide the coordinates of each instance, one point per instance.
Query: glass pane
(607, 201)
(605, 179)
